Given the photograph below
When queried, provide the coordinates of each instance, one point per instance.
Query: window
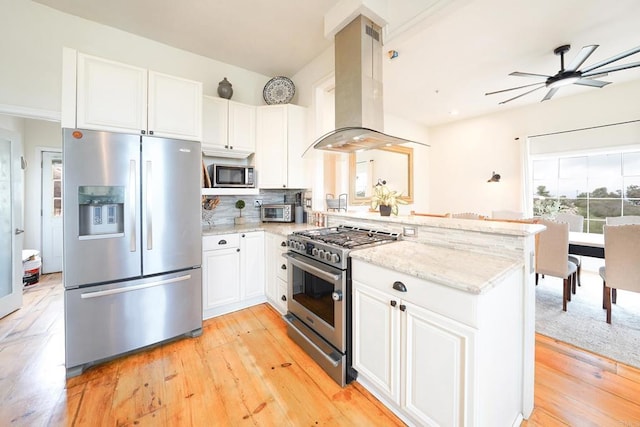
(592, 185)
(56, 178)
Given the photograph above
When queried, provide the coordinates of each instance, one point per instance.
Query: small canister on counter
(299, 215)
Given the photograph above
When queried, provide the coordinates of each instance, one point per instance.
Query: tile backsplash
(226, 210)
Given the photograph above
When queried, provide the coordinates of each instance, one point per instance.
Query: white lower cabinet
(276, 271)
(415, 357)
(232, 272)
(252, 265)
(435, 355)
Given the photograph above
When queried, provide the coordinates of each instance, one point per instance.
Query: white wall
(31, 50)
(465, 153)
(39, 135)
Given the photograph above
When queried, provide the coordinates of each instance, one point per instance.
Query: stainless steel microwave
(228, 176)
(281, 212)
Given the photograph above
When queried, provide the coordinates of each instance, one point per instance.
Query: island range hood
(359, 115)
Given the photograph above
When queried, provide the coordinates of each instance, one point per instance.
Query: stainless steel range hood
(358, 91)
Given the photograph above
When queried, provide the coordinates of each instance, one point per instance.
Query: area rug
(584, 323)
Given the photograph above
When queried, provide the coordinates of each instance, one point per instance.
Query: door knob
(18, 231)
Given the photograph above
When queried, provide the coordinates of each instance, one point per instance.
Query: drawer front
(449, 302)
(220, 241)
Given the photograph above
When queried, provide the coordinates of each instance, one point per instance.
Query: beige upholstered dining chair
(552, 250)
(621, 261)
(621, 220)
(468, 215)
(576, 223)
(507, 214)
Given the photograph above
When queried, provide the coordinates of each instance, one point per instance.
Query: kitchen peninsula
(453, 305)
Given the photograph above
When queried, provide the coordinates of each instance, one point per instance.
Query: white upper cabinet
(174, 107)
(282, 138)
(117, 97)
(242, 127)
(228, 128)
(111, 96)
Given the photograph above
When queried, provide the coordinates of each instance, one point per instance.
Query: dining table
(586, 244)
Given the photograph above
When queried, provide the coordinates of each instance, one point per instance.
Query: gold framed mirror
(392, 164)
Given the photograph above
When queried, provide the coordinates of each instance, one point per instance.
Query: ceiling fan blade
(590, 82)
(522, 94)
(581, 57)
(514, 88)
(611, 69)
(519, 74)
(612, 59)
(549, 94)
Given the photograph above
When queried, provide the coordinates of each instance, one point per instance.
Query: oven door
(315, 296)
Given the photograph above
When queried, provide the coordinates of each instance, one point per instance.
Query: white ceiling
(446, 62)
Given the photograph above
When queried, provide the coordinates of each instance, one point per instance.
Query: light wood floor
(244, 370)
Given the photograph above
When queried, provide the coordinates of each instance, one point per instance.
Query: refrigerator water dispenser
(101, 211)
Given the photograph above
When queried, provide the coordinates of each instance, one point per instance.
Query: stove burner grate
(348, 237)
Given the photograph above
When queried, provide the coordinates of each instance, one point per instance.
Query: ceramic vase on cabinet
(225, 89)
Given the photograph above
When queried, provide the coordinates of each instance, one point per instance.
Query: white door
(221, 272)
(51, 212)
(11, 225)
(252, 264)
(376, 340)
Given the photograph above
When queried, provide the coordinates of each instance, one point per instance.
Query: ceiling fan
(571, 74)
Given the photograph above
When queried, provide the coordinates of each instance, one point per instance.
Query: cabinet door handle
(283, 266)
(393, 303)
(231, 147)
(238, 250)
(399, 286)
(243, 235)
(222, 242)
(150, 132)
(403, 307)
(283, 297)
(144, 132)
(283, 244)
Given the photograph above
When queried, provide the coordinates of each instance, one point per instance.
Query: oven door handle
(329, 277)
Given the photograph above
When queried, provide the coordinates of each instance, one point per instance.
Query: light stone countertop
(481, 226)
(284, 229)
(467, 271)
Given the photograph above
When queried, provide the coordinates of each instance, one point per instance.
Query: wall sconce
(495, 177)
(393, 54)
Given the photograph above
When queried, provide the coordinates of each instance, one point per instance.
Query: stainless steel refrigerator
(132, 243)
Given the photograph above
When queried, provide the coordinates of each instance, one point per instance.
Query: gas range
(332, 245)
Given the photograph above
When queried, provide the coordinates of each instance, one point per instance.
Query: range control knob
(327, 256)
(321, 253)
(335, 258)
(314, 251)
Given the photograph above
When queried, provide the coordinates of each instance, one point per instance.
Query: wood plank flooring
(244, 370)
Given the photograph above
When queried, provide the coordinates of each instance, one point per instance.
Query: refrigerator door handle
(132, 204)
(98, 294)
(147, 193)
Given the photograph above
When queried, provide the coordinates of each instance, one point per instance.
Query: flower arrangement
(385, 198)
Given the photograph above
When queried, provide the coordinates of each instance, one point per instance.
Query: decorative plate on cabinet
(278, 90)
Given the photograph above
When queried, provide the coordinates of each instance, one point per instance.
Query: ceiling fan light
(563, 82)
